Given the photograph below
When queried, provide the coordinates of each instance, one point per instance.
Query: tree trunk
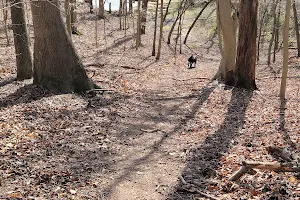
(144, 16)
(73, 17)
(155, 27)
(167, 10)
(130, 6)
(196, 19)
(276, 38)
(160, 29)
(285, 49)
(56, 64)
(174, 24)
(101, 9)
(246, 51)
(23, 54)
(5, 14)
(273, 31)
(229, 41)
(263, 14)
(296, 27)
(138, 24)
(68, 17)
(120, 13)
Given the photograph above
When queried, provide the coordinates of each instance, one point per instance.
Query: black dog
(192, 61)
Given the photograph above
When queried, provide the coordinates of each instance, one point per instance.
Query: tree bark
(229, 41)
(130, 6)
(296, 27)
(246, 50)
(155, 27)
(167, 10)
(68, 17)
(273, 12)
(101, 9)
(23, 54)
(73, 17)
(5, 14)
(179, 13)
(285, 49)
(276, 38)
(56, 64)
(144, 16)
(160, 30)
(138, 24)
(120, 13)
(263, 14)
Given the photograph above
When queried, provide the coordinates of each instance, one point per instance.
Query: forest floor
(161, 131)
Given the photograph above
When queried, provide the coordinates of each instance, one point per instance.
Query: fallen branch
(94, 65)
(191, 79)
(272, 166)
(127, 67)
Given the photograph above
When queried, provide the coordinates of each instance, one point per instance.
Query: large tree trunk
(246, 50)
(144, 16)
(23, 55)
(285, 49)
(296, 27)
(56, 64)
(229, 41)
(160, 30)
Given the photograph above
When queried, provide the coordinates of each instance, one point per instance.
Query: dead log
(271, 166)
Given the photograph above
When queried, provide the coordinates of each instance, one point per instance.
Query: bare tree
(296, 27)
(68, 17)
(246, 50)
(144, 16)
(5, 4)
(285, 49)
(23, 54)
(228, 51)
(138, 25)
(155, 27)
(273, 13)
(160, 30)
(56, 64)
(101, 9)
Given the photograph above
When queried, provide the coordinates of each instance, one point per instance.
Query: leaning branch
(196, 19)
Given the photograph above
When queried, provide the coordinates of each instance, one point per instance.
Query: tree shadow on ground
(25, 94)
(183, 117)
(203, 163)
(7, 81)
(282, 128)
